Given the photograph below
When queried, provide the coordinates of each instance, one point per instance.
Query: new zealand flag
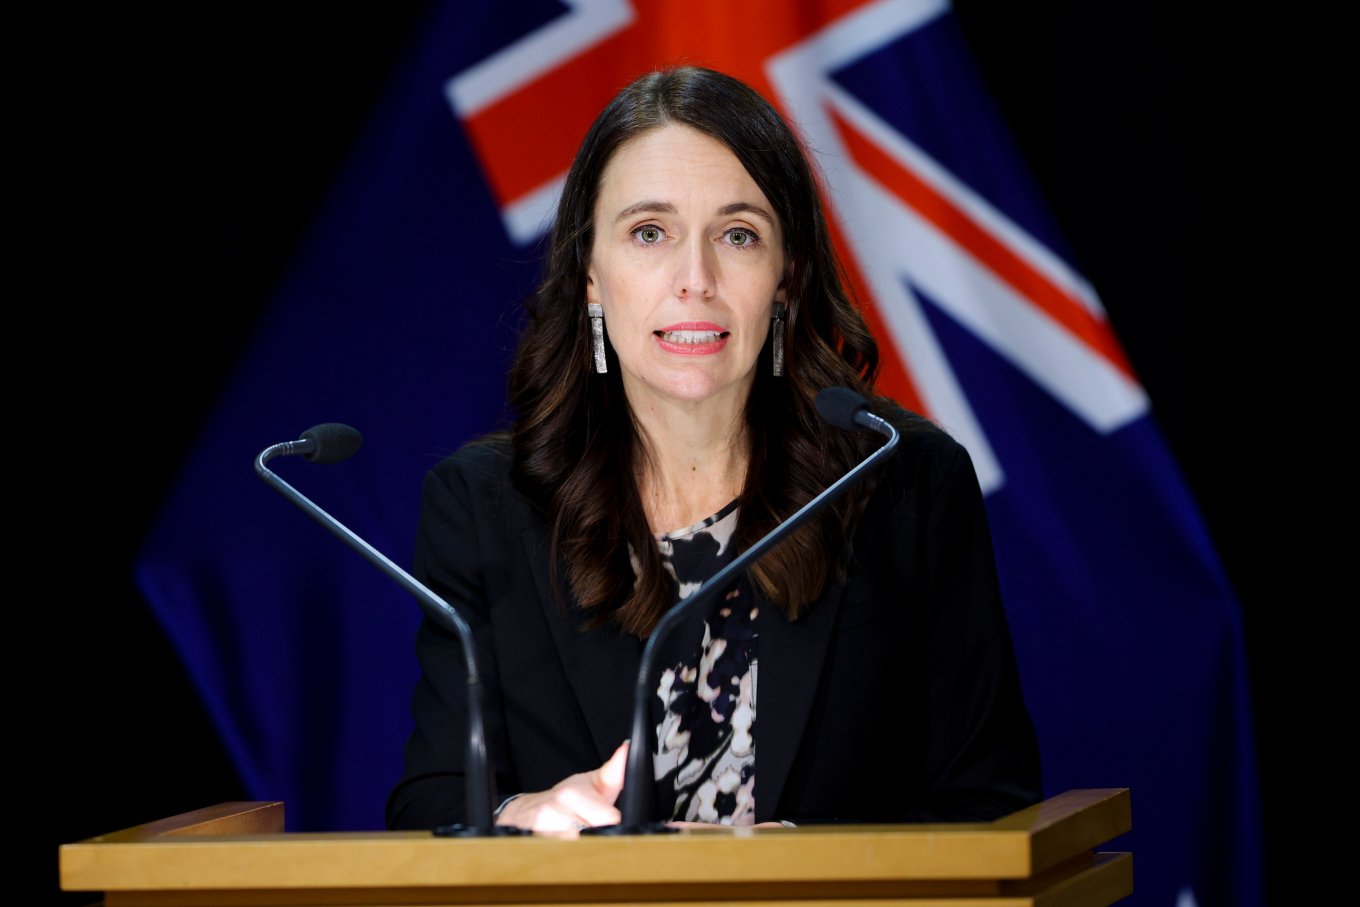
(1128, 636)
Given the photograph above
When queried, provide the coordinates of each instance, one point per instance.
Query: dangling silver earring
(597, 336)
(777, 336)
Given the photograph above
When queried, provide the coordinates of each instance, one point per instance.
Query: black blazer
(895, 698)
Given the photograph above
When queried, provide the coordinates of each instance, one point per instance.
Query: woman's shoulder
(478, 468)
(474, 483)
(927, 453)
(921, 436)
(486, 452)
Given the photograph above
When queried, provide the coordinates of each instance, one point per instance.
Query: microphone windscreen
(334, 442)
(838, 405)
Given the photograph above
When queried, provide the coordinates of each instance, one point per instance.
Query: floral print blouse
(705, 707)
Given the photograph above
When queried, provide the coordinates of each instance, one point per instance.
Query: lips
(692, 338)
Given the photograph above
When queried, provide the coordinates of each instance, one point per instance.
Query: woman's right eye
(648, 234)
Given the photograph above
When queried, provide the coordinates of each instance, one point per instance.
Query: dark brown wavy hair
(576, 446)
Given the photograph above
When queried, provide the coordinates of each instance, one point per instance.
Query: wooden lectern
(238, 853)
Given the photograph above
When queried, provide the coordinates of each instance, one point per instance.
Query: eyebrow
(746, 208)
(659, 207)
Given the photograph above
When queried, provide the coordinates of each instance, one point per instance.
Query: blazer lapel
(601, 667)
(601, 664)
(790, 665)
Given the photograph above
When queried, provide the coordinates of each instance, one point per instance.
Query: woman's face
(687, 263)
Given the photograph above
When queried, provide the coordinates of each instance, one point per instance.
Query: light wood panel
(239, 854)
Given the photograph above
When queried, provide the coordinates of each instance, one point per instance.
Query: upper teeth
(690, 336)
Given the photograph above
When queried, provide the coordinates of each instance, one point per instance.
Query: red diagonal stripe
(996, 256)
(528, 138)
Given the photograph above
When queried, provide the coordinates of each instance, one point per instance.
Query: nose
(694, 273)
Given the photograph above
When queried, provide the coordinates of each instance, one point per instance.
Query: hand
(576, 802)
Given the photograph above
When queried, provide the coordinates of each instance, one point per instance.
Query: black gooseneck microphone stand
(330, 443)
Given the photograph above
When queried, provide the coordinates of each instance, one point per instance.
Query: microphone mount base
(642, 828)
(459, 830)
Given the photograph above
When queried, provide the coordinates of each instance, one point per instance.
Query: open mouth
(691, 337)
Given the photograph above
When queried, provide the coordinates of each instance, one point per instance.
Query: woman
(691, 310)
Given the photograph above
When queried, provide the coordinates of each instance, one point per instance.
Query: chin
(697, 383)
(702, 391)
(694, 392)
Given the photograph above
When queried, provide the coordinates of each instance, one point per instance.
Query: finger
(537, 812)
(552, 818)
(608, 778)
(587, 806)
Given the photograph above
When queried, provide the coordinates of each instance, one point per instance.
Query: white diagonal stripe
(587, 23)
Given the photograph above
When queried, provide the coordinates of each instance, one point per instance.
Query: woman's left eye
(740, 236)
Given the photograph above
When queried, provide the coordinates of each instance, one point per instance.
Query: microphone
(333, 442)
(838, 406)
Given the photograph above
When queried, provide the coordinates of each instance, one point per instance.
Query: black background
(178, 157)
